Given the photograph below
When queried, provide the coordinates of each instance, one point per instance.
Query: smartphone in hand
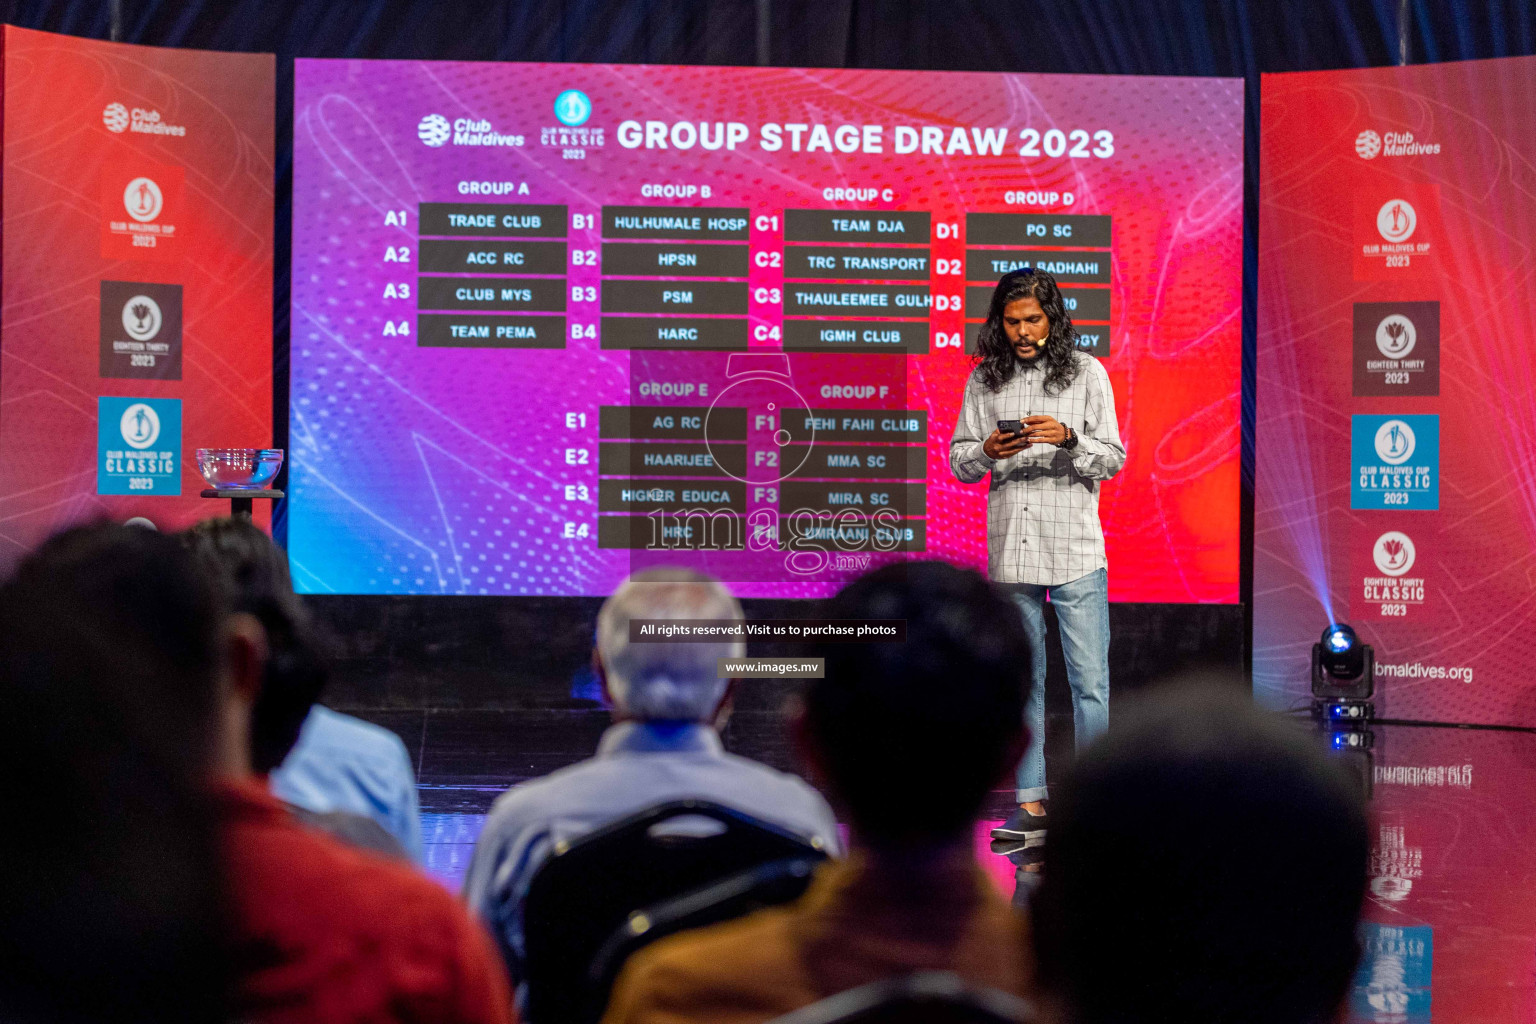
(1010, 426)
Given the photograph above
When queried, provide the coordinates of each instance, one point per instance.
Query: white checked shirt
(1043, 503)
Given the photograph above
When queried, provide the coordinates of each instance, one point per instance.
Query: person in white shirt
(663, 746)
(1044, 539)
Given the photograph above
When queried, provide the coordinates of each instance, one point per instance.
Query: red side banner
(136, 285)
(1396, 458)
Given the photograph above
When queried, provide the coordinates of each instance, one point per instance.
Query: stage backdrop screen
(137, 296)
(555, 322)
(1396, 384)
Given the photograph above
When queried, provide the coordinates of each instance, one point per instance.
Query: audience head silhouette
(668, 680)
(111, 898)
(912, 735)
(253, 573)
(1206, 863)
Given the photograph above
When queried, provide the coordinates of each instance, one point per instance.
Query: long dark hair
(995, 360)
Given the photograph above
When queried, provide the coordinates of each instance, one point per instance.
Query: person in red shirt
(323, 933)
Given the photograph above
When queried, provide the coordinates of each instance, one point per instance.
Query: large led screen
(1396, 385)
(554, 322)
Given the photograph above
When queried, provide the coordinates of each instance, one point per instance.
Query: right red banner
(1396, 468)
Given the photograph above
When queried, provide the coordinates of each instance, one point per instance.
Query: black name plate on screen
(849, 264)
(660, 259)
(462, 256)
(1066, 267)
(447, 330)
(496, 220)
(1036, 229)
(622, 458)
(716, 222)
(672, 422)
(544, 295)
(626, 296)
(856, 226)
(710, 334)
(863, 336)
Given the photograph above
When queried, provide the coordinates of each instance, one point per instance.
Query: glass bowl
(239, 469)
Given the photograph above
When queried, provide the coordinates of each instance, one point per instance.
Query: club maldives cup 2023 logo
(1396, 229)
(141, 204)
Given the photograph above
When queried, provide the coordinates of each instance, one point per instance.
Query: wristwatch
(1071, 440)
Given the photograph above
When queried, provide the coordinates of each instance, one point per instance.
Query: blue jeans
(1082, 610)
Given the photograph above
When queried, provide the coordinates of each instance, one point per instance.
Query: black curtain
(1230, 38)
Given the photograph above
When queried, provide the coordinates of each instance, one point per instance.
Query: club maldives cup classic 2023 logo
(1395, 462)
(573, 109)
(138, 446)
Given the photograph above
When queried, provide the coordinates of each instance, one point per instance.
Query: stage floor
(1450, 922)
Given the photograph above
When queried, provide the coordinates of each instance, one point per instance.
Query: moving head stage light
(1343, 677)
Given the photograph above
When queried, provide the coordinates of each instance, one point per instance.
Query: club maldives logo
(118, 118)
(572, 108)
(1394, 553)
(1396, 336)
(1369, 145)
(1396, 220)
(436, 131)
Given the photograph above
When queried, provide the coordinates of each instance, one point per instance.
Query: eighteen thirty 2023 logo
(1369, 145)
(118, 118)
(436, 131)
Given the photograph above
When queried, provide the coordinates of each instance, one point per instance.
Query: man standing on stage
(1043, 533)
